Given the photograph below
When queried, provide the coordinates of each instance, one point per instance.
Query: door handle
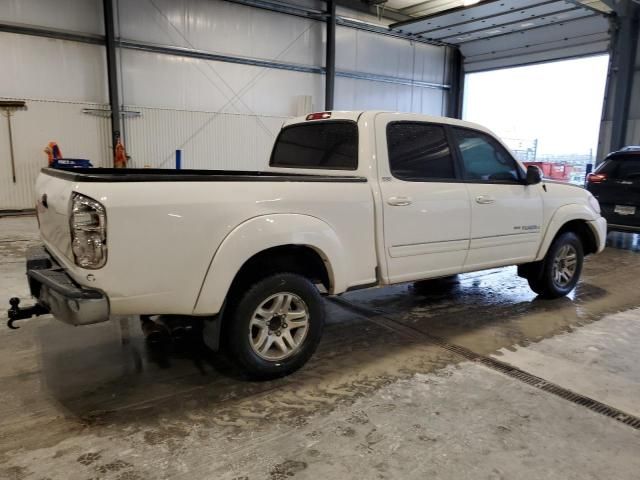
(485, 199)
(399, 201)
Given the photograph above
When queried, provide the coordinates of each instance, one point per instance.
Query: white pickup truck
(350, 200)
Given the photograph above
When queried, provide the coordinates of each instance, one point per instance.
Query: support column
(456, 80)
(625, 30)
(626, 45)
(330, 58)
(112, 72)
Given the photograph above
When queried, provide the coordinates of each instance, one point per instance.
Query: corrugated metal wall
(58, 79)
(78, 134)
(222, 115)
(207, 139)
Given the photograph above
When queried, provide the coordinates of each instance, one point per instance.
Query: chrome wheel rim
(279, 326)
(565, 264)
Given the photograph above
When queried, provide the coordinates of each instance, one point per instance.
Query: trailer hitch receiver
(16, 313)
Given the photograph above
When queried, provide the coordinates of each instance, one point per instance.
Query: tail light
(88, 232)
(596, 177)
(319, 116)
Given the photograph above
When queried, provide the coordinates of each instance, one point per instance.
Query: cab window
(419, 152)
(484, 159)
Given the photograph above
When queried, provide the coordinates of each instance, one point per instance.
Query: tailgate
(52, 206)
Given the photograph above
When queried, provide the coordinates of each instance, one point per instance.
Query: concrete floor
(378, 400)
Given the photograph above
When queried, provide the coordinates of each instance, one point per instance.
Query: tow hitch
(16, 313)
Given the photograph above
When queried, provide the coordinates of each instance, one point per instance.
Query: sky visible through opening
(558, 103)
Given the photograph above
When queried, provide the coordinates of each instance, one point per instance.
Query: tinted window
(621, 168)
(330, 145)
(419, 151)
(484, 158)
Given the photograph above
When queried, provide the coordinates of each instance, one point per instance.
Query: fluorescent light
(468, 3)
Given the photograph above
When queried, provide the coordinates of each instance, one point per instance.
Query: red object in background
(120, 159)
(554, 171)
(53, 152)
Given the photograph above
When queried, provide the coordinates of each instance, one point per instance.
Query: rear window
(329, 145)
(622, 168)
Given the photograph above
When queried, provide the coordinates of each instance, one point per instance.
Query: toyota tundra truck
(349, 200)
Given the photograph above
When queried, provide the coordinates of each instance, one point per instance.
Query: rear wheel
(561, 269)
(275, 326)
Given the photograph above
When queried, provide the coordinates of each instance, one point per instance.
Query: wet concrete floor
(378, 400)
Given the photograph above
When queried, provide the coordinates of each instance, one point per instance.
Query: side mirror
(534, 175)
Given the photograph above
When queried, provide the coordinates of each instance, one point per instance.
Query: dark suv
(616, 185)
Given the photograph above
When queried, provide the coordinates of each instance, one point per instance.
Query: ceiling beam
(586, 6)
(422, 6)
(379, 11)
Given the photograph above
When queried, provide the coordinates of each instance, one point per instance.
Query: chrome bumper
(58, 293)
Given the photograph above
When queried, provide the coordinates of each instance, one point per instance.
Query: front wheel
(275, 326)
(562, 267)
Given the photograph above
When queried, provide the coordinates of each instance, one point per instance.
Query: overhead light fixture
(468, 3)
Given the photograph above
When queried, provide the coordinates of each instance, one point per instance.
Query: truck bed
(164, 228)
(103, 175)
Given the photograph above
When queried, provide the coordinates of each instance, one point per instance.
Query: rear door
(506, 214)
(426, 211)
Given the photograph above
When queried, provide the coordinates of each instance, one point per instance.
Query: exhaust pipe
(154, 332)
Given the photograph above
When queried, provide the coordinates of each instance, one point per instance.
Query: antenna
(8, 107)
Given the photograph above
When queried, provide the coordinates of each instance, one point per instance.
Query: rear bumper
(58, 293)
(623, 228)
(627, 223)
(599, 228)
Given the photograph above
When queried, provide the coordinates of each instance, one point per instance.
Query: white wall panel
(83, 16)
(362, 51)
(430, 63)
(79, 136)
(157, 80)
(45, 68)
(208, 140)
(223, 27)
(353, 94)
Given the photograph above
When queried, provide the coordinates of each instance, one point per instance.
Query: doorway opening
(548, 113)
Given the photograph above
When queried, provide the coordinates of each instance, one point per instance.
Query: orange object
(53, 152)
(120, 160)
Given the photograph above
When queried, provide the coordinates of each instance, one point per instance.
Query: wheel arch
(260, 246)
(570, 218)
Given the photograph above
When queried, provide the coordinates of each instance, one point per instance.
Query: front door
(506, 214)
(425, 206)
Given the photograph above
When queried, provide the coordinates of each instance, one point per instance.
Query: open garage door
(496, 34)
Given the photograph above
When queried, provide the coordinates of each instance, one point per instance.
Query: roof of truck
(354, 115)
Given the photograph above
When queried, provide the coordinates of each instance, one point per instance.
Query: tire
(562, 267)
(262, 340)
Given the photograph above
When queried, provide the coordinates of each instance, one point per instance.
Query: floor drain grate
(603, 409)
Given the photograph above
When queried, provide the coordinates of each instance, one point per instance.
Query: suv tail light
(596, 177)
(88, 223)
